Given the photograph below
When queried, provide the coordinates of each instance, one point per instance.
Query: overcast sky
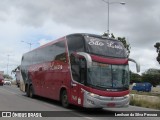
(40, 21)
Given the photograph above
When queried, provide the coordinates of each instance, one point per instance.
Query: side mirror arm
(137, 64)
(87, 57)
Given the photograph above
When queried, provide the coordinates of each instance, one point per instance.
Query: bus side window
(78, 68)
(75, 43)
(61, 57)
(83, 70)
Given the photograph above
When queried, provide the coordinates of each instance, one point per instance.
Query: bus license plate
(111, 104)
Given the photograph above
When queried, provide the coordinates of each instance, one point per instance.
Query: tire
(31, 92)
(64, 99)
(27, 91)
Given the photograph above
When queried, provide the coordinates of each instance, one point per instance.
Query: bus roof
(92, 35)
(64, 37)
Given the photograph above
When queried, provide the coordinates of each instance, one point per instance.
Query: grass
(144, 93)
(146, 104)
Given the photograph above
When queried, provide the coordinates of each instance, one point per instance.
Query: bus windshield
(107, 76)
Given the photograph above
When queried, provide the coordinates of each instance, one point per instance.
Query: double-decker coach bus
(86, 70)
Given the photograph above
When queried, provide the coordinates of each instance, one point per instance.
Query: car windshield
(107, 76)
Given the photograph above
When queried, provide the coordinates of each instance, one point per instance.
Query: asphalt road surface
(12, 99)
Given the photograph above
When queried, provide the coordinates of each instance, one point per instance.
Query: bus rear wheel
(31, 93)
(27, 91)
(64, 99)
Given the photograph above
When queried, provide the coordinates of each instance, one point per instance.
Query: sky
(41, 21)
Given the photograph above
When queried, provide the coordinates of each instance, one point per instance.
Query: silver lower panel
(104, 102)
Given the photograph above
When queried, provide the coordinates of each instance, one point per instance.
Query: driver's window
(78, 68)
(83, 70)
(75, 68)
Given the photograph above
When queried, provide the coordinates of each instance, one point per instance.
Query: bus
(1, 78)
(82, 69)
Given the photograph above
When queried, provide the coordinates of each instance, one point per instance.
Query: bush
(146, 104)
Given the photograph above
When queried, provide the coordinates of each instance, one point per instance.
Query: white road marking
(83, 116)
(89, 118)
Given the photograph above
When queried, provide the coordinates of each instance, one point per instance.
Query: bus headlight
(126, 96)
(93, 95)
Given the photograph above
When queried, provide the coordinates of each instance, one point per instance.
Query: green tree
(157, 46)
(154, 79)
(123, 40)
(152, 76)
(7, 76)
(135, 78)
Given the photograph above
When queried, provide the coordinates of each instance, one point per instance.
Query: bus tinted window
(105, 47)
(61, 57)
(59, 51)
(75, 43)
(49, 53)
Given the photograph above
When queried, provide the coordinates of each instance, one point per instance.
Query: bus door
(75, 84)
(78, 69)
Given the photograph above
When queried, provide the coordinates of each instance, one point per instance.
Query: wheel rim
(65, 99)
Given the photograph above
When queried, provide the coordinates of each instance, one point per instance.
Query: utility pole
(108, 5)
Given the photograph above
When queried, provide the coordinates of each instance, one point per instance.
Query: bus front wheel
(64, 99)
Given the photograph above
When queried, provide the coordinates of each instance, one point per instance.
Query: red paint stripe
(109, 93)
(109, 60)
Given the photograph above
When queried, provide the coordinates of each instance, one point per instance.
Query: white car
(7, 83)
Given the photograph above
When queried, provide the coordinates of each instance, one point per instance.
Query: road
(12, 99)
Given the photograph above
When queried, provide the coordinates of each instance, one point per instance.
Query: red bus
(86, 70)
(1, 80)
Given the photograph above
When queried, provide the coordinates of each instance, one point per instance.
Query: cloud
(43, 41)
(145, 57)
(40, 21)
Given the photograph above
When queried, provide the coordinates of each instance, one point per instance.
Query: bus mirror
(137, 64)
(82, 63)
(87, 57)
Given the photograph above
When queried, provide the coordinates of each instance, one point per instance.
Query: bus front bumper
(92, 100)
